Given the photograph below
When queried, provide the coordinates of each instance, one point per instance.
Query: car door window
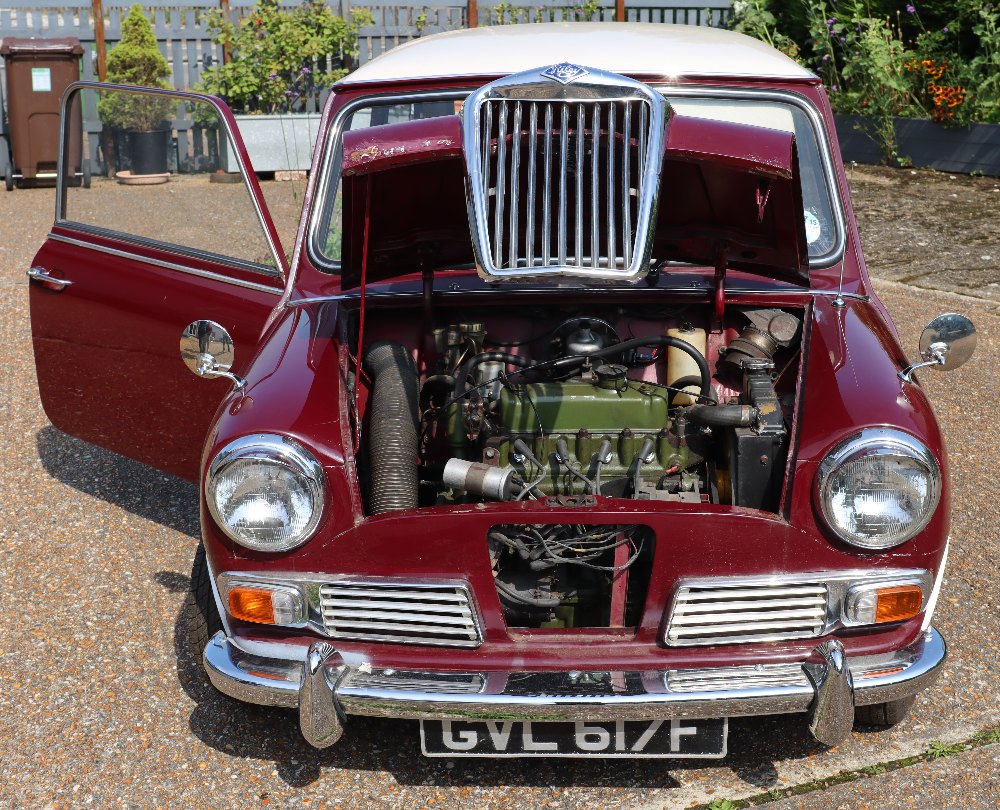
(165, 174)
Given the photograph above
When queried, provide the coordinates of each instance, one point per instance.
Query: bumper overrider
(325, 689)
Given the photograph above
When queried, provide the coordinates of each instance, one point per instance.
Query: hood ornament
(564, 72)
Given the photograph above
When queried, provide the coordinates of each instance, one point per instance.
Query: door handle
(39, 274)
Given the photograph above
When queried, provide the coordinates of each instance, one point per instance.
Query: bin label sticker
(41, 80)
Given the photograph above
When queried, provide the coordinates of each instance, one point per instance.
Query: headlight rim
(276, 448)
(876, 440)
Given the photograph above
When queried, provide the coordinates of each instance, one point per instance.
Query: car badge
(565, 72)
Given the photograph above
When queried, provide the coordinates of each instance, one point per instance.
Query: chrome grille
(745, 612)
(401, 613)
(563, 180)
(723, 679)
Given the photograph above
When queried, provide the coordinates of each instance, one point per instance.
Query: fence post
(224, 6)
(102, 53)
(471, 13)
(619, 10)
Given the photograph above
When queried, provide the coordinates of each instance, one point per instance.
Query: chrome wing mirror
(947, 342)
(207, 349)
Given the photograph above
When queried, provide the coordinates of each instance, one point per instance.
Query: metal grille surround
(403, 613)
(743, 612)
(563, 179)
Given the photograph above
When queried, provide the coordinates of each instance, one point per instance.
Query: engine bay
(550, 404)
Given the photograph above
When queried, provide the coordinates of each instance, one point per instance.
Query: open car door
(134, 260)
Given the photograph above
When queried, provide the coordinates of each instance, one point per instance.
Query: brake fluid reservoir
(680, 364)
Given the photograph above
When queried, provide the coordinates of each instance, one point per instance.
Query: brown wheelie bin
(38, 72)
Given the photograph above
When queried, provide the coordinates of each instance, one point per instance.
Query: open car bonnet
(726, 190)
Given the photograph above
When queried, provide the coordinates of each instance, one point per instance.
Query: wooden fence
(185, 42)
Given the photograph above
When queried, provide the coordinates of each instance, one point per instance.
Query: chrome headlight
(266, 492)
(878, 488)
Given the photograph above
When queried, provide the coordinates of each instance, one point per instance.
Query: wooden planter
(925, 143)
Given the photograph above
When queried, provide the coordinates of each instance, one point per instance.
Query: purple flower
(272, 76)
(306, 71)
(835, 88)
(289, 93)
(843, 39)
(826, 57)
(911, 9)
(831, 21)
(945, 29)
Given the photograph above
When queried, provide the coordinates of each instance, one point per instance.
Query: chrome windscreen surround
(563, 168)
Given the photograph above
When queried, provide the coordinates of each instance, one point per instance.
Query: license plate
(702, 739)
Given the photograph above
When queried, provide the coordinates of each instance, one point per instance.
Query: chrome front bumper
(826, 685)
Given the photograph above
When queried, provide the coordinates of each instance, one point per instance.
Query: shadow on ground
(141, 490)
(393, 746)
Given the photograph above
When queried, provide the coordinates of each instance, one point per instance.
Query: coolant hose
(392, 427)
(661, 340)
(485, 357)
(722, 415)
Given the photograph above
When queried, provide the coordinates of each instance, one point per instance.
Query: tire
(8, 177)
(86, 174)
(201, 613)
(884, 715)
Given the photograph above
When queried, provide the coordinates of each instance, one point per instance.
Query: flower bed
(924, 77)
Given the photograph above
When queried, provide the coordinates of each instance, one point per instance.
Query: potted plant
(137, 60)
(281, 62)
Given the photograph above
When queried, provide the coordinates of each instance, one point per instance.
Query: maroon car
(571, 427)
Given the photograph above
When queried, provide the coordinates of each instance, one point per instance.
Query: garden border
(924, 144)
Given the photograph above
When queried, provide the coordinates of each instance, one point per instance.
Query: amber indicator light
(251, 604)
(898, 603)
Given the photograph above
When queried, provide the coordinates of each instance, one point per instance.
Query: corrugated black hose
(392, 427)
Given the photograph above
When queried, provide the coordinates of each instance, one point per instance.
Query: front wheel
(201, 614)
(884, 715)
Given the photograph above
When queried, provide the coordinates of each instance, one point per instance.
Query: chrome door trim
(180, 268)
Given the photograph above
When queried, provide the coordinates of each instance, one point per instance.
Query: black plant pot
(148, 151)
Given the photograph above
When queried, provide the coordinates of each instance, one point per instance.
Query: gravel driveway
(101, 705)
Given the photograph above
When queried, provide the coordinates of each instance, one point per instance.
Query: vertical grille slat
(581, 126)
(595, 196)
(612, 135)
(745, 612)
(627, 183)
(563, 165)
(401, 613)
(487, 150)
(501, 185)
(515, 176)
(529, 246)
(547, 191)
(561, 183)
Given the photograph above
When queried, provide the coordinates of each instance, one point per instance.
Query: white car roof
(670, 51)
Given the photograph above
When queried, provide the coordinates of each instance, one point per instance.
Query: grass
(935, 751)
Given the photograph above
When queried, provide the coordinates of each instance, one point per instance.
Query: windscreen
(328, 237)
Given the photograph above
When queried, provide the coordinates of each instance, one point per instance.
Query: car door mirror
(207, 349)
(947, 342)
